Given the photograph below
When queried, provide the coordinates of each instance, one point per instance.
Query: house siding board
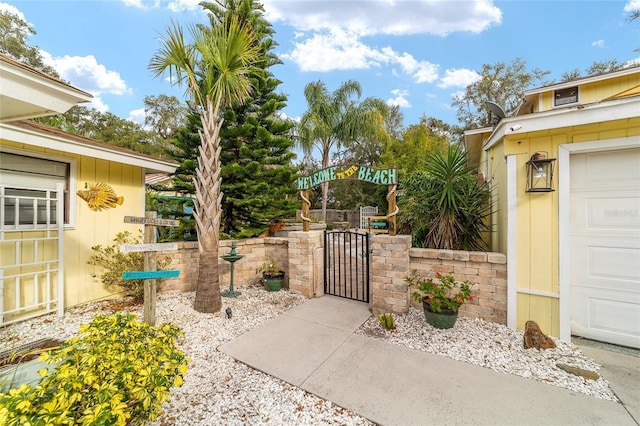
(538, 264)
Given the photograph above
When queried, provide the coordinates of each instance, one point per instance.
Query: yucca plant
(445, 206)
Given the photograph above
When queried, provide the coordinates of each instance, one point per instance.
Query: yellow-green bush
(117, 373)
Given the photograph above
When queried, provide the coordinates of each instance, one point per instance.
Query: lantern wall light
(540, 173)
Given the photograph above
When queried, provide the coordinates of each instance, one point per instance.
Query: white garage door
(605, 246)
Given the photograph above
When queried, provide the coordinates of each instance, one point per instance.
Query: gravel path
(219, 390)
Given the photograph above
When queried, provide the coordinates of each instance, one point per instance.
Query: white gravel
(219, 390)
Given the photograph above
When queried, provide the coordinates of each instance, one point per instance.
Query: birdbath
(232, 258)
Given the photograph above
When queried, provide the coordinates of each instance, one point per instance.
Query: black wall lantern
(540, 173)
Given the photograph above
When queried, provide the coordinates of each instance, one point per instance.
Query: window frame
(568, 90)
(70, 201)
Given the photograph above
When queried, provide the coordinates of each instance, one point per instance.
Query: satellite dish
(496, 111)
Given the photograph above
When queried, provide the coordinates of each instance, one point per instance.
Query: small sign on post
(130, 248)
(154, 221)
(149, 275)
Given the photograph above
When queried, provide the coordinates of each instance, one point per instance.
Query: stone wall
(256, 252)
(487, 271)
(300, 255)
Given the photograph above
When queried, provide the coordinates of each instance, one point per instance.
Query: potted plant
(441, 297)
(272, 276)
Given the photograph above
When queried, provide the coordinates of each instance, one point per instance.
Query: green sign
(364, 173)
(150, 275)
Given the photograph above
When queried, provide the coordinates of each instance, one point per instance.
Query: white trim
(72, 175)
(60, 276)
(538, 293)
(617, 109)
(30, 137)
(564, 246)
(582, 81)
(512, 228)
(564, 211)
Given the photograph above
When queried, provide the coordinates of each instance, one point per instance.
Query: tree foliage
(501, 83)
(164, 114)
(410, 153)
(443, 205)
(109, 128)
(14, 33)
(336, 119)
(216, 69)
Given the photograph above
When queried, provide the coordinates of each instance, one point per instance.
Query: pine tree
(257, 176)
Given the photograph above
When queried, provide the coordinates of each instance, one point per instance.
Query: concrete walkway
(313, 346)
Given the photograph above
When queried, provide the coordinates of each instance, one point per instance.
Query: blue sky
(413, 53)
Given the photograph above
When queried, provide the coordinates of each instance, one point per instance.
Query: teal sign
(150, 275)
(365, 173)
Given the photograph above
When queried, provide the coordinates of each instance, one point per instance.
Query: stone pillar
(389, 267)
(302, 260)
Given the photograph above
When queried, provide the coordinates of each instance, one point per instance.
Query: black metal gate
(346, 265)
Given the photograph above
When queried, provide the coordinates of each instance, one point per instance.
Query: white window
(28, 190)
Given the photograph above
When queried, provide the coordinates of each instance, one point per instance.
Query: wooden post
(392, 209)
(150, 264)
(305, 210)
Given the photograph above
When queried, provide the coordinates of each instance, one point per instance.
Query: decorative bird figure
(100, 196)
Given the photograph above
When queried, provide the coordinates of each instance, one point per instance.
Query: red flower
(431, 296)
(470, 298)
(458, 299)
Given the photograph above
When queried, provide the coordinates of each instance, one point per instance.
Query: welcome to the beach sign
(365, 173)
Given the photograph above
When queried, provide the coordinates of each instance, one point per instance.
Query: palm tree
(215, 68)
(334, 119)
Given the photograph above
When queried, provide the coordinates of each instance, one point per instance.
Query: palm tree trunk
(208, 211)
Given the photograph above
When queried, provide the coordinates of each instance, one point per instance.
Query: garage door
(605, 246)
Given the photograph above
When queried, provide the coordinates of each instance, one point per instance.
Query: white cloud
(5, 7)
(180, 5)
(400, 98)
(137, 116)
(87, 74)
(632, 5)
(341, 50)
(173, 5)
(598, 43)
(399, 17)
(333, 50)
(458, 78)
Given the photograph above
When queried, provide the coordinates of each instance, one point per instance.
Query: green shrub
(116, 263)
(386, 321)
(445, 206)
(118, 372)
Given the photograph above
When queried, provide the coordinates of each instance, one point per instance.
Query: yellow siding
(542, 310)
(592, 92)
(537, 233)
(92, 227)
(497, 172)
(100, 227)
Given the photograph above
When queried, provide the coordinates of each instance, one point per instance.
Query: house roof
(43, 136)
(26, 92)
(583, 80)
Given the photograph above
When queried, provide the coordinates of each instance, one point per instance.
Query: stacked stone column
(390, 266)
(304, 277)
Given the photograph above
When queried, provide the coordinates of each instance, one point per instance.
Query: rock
(535, 338)
(587, 374)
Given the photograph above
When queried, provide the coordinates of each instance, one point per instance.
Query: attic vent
(566, 96)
